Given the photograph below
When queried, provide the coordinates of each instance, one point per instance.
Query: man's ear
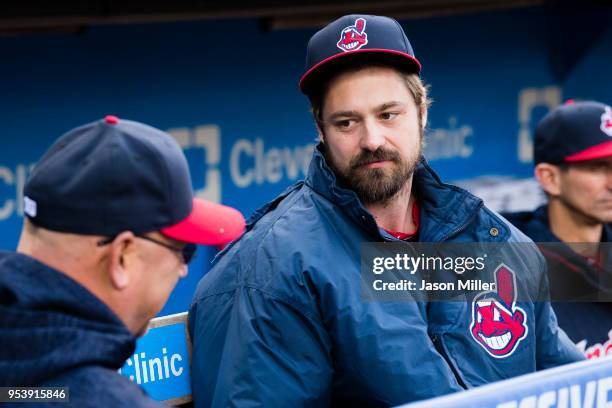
(549, 177)
(121, 251)
(423, 112)
(319, 127)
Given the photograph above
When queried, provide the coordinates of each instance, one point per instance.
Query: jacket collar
(540, 227)
(445, 209)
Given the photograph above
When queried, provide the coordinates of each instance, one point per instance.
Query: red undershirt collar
(406, 235)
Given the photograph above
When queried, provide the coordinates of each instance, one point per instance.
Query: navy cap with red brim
(574, 132)
(352, 37)
(113, 175)
(208, 224)
(600, 151)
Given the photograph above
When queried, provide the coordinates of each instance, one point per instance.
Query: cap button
(111, 120)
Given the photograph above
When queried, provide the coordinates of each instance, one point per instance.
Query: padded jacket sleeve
(254, 350)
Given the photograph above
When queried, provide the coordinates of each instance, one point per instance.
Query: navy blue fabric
(569, 129)
(105, 178)
(279, 320)
(589, 324)
(382, 37)
(53, 332)
(536, 226)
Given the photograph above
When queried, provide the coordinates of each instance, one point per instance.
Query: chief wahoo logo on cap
(498, 325)
(353, 37)
(606, 121)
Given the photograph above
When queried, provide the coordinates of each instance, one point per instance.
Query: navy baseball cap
(357, 36)
(575, 131)
(115, 175)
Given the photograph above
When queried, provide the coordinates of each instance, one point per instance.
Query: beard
(378, 185)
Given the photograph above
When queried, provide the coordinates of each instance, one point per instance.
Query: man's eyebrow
(343, 114)
(387, 105)
(352, 114)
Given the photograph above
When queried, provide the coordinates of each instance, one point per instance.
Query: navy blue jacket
(588, 324)
(54, 332)
(279, 320)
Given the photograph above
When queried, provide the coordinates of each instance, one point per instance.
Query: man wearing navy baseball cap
(573, 164)
(280, 320)
(111, 226)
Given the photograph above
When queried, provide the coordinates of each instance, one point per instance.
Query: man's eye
(344, 124)
(388, 115)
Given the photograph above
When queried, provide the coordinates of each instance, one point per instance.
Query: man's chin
(606, 218)
(602, 215)
(377, 191)
(143, 330)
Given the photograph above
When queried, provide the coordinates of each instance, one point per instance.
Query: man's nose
(373, 137)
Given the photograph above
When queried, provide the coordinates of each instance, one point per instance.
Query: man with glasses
(111, 225)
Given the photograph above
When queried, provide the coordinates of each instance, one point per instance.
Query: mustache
(368, 156)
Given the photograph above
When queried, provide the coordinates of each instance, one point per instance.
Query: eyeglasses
(186, 253)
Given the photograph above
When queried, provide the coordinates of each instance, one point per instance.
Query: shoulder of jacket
(289, 223)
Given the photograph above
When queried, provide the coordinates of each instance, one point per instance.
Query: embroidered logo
(353, 37)
(30, 207)
(597, 350)
(498, 325)
(606, 121)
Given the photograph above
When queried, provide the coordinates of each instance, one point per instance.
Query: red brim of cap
(208, 224)
(596, 152)
(412, 61)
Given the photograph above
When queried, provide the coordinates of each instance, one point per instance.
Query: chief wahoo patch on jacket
(498, 325)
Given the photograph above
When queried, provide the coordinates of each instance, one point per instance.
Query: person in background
(111, 224)
(573, 164)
